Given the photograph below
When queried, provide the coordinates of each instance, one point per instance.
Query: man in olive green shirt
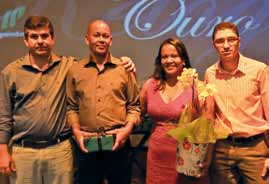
(33, 111)
(102, 95)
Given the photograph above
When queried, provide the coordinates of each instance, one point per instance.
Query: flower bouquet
(195, 130)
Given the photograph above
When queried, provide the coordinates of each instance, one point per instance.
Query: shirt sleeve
(133, 105)
(264, 89)
(6, 104)
(72, 100)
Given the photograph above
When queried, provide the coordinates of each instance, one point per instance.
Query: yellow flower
(199, 130)
(206, 90)
(187, 76)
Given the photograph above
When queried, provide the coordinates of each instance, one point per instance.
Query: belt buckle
(58, 140)
(101, 131)
(22, 143)
(42, 144)
(236, 141)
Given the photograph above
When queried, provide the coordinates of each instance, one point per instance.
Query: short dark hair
(36, 22)
(159, 73)
(223, 26)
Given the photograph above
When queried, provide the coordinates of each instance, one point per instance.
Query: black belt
(41, 144)
(244, 140)
(102, 129)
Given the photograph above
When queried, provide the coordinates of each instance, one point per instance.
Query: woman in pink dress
(163, 98)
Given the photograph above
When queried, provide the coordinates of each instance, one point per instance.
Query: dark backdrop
(139, 26)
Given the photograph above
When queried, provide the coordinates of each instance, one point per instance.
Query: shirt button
(99, 100)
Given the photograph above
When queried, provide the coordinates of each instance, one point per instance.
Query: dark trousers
(94, 168)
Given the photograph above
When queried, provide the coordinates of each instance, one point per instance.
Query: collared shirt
(243, 96)
(101, 98)
(33, 102)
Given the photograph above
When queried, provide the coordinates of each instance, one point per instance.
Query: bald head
(98, 23)
(98, 37)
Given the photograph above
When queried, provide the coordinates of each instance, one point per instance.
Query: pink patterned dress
(161, 158)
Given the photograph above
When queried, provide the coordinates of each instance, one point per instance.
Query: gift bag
(193, 138)
(195, 130)
(189, 156)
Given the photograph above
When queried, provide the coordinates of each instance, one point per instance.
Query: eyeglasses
(230, 40)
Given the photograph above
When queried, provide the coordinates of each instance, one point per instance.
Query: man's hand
(80, 136)
(265, 167)
(122, 134)
(7, 165)
(128, 64)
